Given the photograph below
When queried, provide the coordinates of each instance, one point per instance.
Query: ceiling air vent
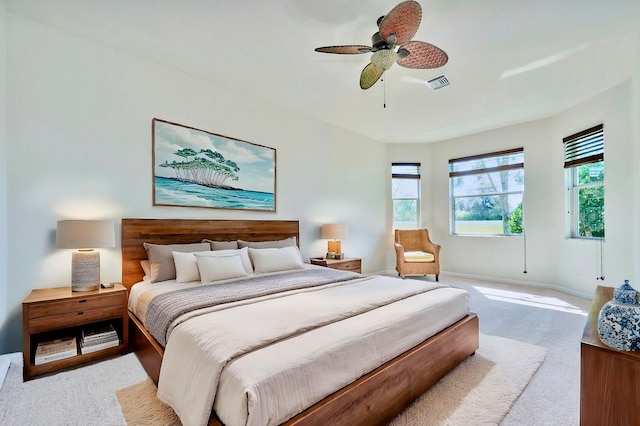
(439, 82)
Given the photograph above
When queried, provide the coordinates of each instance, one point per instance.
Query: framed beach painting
(196, 168)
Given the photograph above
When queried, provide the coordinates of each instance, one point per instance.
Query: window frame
(580, 149)
(417, 176)
(482, 171)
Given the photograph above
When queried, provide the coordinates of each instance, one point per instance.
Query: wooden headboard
(135, 232)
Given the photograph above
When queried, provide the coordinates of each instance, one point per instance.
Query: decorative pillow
(186, 267)
(150, 273)
(222, 245)
(160, 256)
(243, 253)
(287, 242)
(216, 268)
(275, 259)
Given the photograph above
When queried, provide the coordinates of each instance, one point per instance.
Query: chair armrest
(399, 257)
(431, 247)
(436, 252)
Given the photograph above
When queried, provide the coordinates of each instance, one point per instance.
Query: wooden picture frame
(196, 168)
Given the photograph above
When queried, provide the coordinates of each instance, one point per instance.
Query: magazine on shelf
(55, 350)
(99, 341)
(93, 347)
(98, 333)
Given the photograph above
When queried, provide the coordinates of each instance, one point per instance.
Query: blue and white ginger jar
(619, 319)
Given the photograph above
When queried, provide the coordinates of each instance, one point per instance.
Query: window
(405, 194)
(584, 165)
(486, 193)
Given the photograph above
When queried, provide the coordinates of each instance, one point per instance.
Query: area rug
(479, 391)
(141, 407)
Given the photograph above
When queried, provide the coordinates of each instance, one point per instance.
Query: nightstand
(346, 264)
(54, 313)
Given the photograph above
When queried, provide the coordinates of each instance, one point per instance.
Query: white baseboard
(588, 296)
(523, 283)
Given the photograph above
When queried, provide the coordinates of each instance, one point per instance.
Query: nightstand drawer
(75, 318)
(350, 265)
(75, 305)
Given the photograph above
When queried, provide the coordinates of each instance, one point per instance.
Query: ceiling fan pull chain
(384, 92)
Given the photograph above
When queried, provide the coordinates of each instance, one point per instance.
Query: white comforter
(253, 358)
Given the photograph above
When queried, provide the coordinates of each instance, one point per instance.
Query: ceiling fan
(392, 43)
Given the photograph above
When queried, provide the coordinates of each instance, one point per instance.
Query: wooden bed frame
(374, 399)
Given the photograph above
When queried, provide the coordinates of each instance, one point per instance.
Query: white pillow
(243, 252)
(186, 267)
(275, 259)
(215, 268)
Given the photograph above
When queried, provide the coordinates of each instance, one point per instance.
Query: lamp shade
(85, 234)
(334, 231)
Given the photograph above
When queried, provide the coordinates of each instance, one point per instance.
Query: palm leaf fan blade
(423, 56)
(403, 21)
(352, 49)
(370, 74)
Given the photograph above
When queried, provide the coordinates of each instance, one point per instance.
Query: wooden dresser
(609, 379)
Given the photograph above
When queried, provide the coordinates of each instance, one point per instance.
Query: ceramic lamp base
(85, 270)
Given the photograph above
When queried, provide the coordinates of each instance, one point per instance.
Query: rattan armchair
(416, 254)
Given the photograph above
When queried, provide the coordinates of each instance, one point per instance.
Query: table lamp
(85, 235)
(334, 233)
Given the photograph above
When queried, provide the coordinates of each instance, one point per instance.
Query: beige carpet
(84, 396)
(480, 391)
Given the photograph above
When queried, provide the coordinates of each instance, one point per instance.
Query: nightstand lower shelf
(53, 366)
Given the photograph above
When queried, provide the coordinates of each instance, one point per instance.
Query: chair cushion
(418, 257)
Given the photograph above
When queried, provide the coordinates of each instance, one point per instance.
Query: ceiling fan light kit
(383, 59)
(392, 43)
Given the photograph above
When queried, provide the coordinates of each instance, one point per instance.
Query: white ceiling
(510, 61)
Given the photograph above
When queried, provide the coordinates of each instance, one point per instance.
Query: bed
(371, 397)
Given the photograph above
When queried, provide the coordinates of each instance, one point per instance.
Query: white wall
(635, 114)
(3, 169)
(614, 109)
(552, 259)
(79, 117)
